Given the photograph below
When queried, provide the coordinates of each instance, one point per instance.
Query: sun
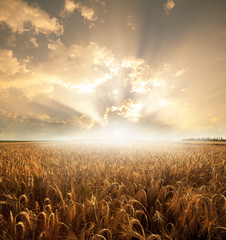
(116, 134)
(121, 132)
(116, 131)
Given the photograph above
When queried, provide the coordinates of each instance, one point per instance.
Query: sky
(145, 69)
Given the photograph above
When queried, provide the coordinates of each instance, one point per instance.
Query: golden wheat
(69, 192)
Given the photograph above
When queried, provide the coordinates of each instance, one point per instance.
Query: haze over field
(116, 68)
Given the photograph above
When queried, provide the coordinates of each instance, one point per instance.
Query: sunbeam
(115, 69)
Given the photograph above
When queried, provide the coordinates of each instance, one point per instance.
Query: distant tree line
(205, 139)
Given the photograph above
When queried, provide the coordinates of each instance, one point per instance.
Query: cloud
(164, 102)
(141, 87)
(129, 110)
(8, 64)
(168, 6)
(82, 122)
(141, 76)
(90, 87)
(79, 76)
(17, 14)
(70, 75)
(90, 80)
(180, 72)
(43, 117)
(87, 13)
(16, 75)
(36, 126)
(69, 6)
(104, 57)
(158, 82)
(40, 119)
(83, 67)
(132, 62)
(34, 42)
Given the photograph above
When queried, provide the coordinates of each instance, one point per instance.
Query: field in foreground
(79, 191)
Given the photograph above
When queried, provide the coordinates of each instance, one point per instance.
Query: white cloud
(132, 62)
(83, 67)
(57, 47)
(158, 82)
(139, 73)
(42, 125)
(90, 87)
(15, 74)
(129, 110)
(69, 6)
(34, 42)
(141, 76)
(104, 57)
(83, 122)
(140, 87)
(164, 102)
(169, 5)
(16, 13)
(180, 72)
(8, 64)
(87, 13)
(43, 117)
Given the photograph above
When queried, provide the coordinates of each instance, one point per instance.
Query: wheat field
(95, 191)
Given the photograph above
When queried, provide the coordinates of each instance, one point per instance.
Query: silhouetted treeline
(205, 139)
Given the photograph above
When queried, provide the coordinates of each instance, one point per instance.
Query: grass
(65, 191)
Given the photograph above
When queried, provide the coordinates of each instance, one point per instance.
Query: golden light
(118, 62)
